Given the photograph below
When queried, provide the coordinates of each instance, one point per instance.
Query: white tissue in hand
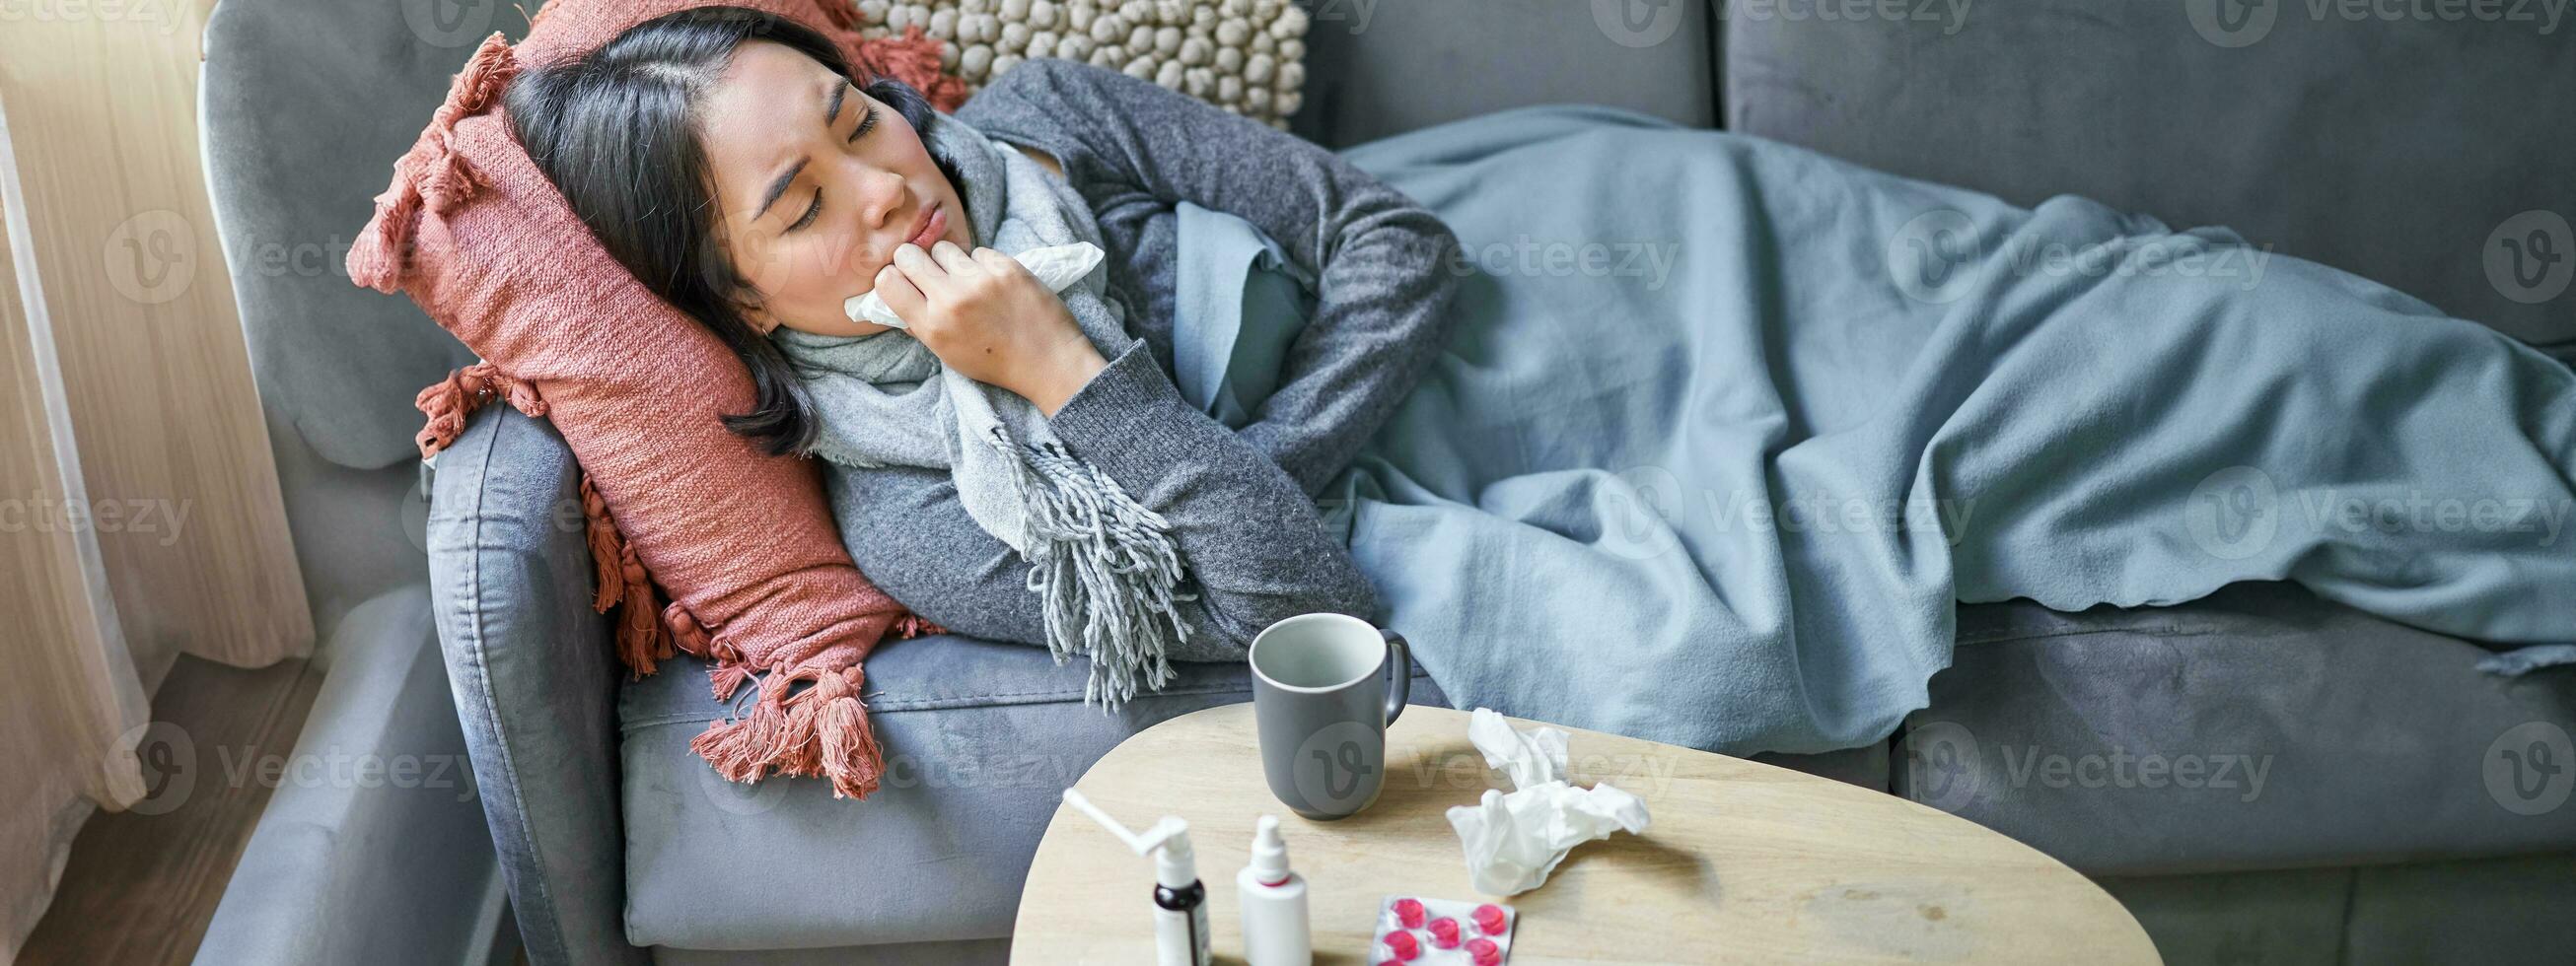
(1056, 266)
(1513, 840)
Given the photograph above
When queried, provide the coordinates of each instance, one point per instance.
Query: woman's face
(818, 184)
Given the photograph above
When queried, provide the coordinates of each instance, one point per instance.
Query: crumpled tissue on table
(1056, 266)
(1513, 840)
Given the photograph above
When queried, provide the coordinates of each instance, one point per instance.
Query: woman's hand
(984, 315)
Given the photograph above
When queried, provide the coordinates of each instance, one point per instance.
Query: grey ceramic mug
(1324, 688)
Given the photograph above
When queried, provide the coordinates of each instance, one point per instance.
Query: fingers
(917, 265)
(994, 261)
(899, 293)
(954, 259)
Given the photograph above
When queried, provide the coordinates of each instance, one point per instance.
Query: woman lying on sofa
(1545, 473)
(735, 143)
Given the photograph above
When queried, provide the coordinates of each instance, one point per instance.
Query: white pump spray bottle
(1273, 898)
(1180, 900)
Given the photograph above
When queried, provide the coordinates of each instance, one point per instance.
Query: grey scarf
(1106, 567)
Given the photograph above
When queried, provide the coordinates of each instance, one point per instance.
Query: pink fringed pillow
(742, 543)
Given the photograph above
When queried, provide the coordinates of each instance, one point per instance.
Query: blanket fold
(1726, 430)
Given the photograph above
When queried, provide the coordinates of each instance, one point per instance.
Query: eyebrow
(831, 109)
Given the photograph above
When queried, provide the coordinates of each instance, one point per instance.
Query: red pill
(1404, 945)
(1484, 951)
(1409, 912)
(1444, 932)
(1489, 917)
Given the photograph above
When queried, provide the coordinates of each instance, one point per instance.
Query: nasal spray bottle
(1180, 901)
(1275, 930)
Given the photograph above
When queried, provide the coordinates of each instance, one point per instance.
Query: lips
(932, 226)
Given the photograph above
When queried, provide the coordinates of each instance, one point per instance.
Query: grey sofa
(2329, 787)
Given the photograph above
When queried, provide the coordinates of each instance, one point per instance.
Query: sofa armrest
(534, 679)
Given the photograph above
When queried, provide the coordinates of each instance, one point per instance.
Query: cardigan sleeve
(1383, 263)
(1251, 542)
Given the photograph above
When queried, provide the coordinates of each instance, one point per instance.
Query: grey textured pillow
(1247, 56)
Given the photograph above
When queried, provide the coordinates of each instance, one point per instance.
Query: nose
(881, 194)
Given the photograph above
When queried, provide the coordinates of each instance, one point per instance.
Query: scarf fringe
(1105, 567)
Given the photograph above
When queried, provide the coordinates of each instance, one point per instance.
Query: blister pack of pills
(1414, 931)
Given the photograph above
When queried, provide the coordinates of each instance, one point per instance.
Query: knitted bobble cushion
(742, 543)
(1247, 56)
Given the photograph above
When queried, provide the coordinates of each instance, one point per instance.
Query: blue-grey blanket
(1726, 429)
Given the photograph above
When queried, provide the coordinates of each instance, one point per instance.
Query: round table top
(1741, 861)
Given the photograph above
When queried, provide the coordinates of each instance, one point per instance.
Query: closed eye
(811, 210)
(814, 209)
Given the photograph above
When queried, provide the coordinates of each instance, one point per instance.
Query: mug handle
(1400, 690)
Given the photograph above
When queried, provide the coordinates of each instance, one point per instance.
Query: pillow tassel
(743, 749)
(377, 260)
(851, 757)
(821, 732)
(431, 173)
(913, 59)
(449, 401)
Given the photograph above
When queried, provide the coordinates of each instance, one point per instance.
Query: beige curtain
(139, 507)
(72, 691)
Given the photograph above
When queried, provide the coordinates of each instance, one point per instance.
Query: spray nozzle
(1168, 840)
(1269, 854)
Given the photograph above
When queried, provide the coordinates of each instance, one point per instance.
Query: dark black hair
(616, 132)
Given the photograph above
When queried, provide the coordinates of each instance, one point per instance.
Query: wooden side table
(1743, 862)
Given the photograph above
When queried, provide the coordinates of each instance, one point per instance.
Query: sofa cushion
(2259, 727)
(980, 737)
(2301, 125)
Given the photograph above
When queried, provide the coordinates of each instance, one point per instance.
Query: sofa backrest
(1382, 67)
(303, 106)
(306, 105)
(2429, 154)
